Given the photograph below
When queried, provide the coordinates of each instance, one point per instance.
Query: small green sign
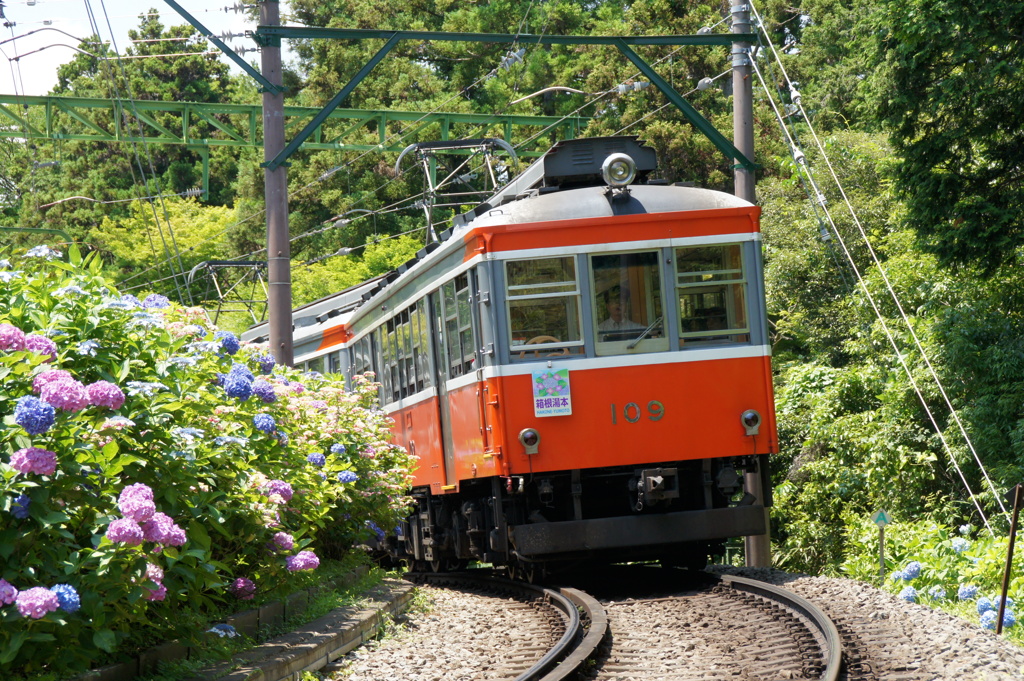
(881, 519)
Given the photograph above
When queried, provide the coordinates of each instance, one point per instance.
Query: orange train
(581, 364)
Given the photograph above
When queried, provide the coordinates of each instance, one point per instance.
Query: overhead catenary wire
(881, 269)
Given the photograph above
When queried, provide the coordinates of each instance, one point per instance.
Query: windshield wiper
(644, 334)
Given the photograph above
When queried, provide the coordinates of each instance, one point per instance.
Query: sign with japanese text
(551, 393)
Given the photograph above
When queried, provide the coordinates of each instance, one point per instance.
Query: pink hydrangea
(36, 602)
(44, 377)
(162, 529)
(303, 560)
(284, 541)
(154, 573)
(66, 394)
(105, 394)
(243, 589)
(136, 502)
(157, 594)
(34, 460)
(12, 339)
(41, 345)
(125, 531)
(279, 487)
(7, 592)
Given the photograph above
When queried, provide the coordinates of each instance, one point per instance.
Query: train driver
(618, 326)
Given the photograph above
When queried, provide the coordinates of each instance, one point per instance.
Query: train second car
(581, 365)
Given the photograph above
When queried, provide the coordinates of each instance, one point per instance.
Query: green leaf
(105, 639)
(12, 648)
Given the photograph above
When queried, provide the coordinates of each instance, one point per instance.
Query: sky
(36, 74)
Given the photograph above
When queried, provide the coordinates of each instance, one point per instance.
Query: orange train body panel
(418, 429)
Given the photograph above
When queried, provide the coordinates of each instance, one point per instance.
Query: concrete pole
(275, 184)
(757, 549)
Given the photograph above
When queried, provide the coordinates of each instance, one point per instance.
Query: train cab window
(362, 356)
(628, 314)
(316, 364)
(711, 284)
(543, 297)
(458, 326)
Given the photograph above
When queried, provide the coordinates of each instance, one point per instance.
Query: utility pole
(757, 548)
(275, 185)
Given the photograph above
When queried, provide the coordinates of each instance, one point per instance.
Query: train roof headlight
(618, 170)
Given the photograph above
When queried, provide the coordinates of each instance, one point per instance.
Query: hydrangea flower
(105, 394)
(157, 594)
(238, 386)
(131, 300)
(909, 594)
(317, 459)
(264, 422)
(230, 440)
(70, 290)
(34, 460)
(136, 502)
(243, 371)
(19, 509)
(960, 544)
(228, 341)
(162, 529)
(67, 597)
(146, 320)
(43, 378)
(125, 531)
(990, 617)
(243, 589)
(998, 599)
(223, 630)
(337, 448)
(284, 541)
(911, 570)
(984, 605)
(937, 593)
(266, 363)
(155, 300)
(34, 415)
(42, 251)
(303, 560)
(347, 476)
(7, 592)
(36, 602)
(279, 487)
(12, 339)
(41, 345)
(264, 391)
(965, 529)
(143, 388)
(87, 347)
(188, 434)
(65, 394)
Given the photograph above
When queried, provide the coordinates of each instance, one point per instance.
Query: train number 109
(633, 413)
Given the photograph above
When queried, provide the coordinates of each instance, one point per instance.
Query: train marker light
(530, 439)
(618, 170)
(751, 421)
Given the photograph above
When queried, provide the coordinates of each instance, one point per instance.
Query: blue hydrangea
(223, 630)
(238, 387)
(375, 529)
(264, 391)
(909, 594)
(221, 440)
(911, 570)
(19, 509)
(317, 459)
(266, 363)
(967, 592)
(937, 593)
(338, 448)
(984, 605)
(988, 619)
(42, 252)
(1009, 619)
(264, 422)
(243, 371)
(87, 347)
(896, 576)
(347, 476)
(155, 300)
(960, 544)
(282, 437)
(965, 529)
(228, 341)
(67, 597)
(998, 599)
(34, 415)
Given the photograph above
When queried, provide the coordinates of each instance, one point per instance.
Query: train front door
(440, 380)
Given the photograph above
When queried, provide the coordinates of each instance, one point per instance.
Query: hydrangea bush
(150, 463)
(958, 569)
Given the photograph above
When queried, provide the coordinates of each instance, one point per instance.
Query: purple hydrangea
(34, 460)
(41, 345)
(228, 341)
(67, 597)
(36, 602)
(105, 394)
(243, 589)
(279, 487)
(7, 592)
(284, 541)
(125, 531)
(264, 422)
(317, 459)
(303, 560)
(237, 386)
(136, 502)
(264, 391)
(162, 529)
(12, 339)
(65, 394)
(19, 509)
(347, 476)
(44, 377)
(34, 415)
(266, 363)
(131, 300)
(157, 301)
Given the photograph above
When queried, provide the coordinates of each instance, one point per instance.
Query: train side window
(628, 312)
(316, 364)
(420, 346)
(711, 285)
(458, 326)
(543, 298)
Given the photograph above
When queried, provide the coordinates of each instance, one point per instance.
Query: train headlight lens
(751, 421)
(530, 439)
(618, 170)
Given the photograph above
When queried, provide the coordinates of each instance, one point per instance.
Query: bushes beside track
(153, 469)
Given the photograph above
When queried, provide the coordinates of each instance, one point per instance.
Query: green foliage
(213, 469)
